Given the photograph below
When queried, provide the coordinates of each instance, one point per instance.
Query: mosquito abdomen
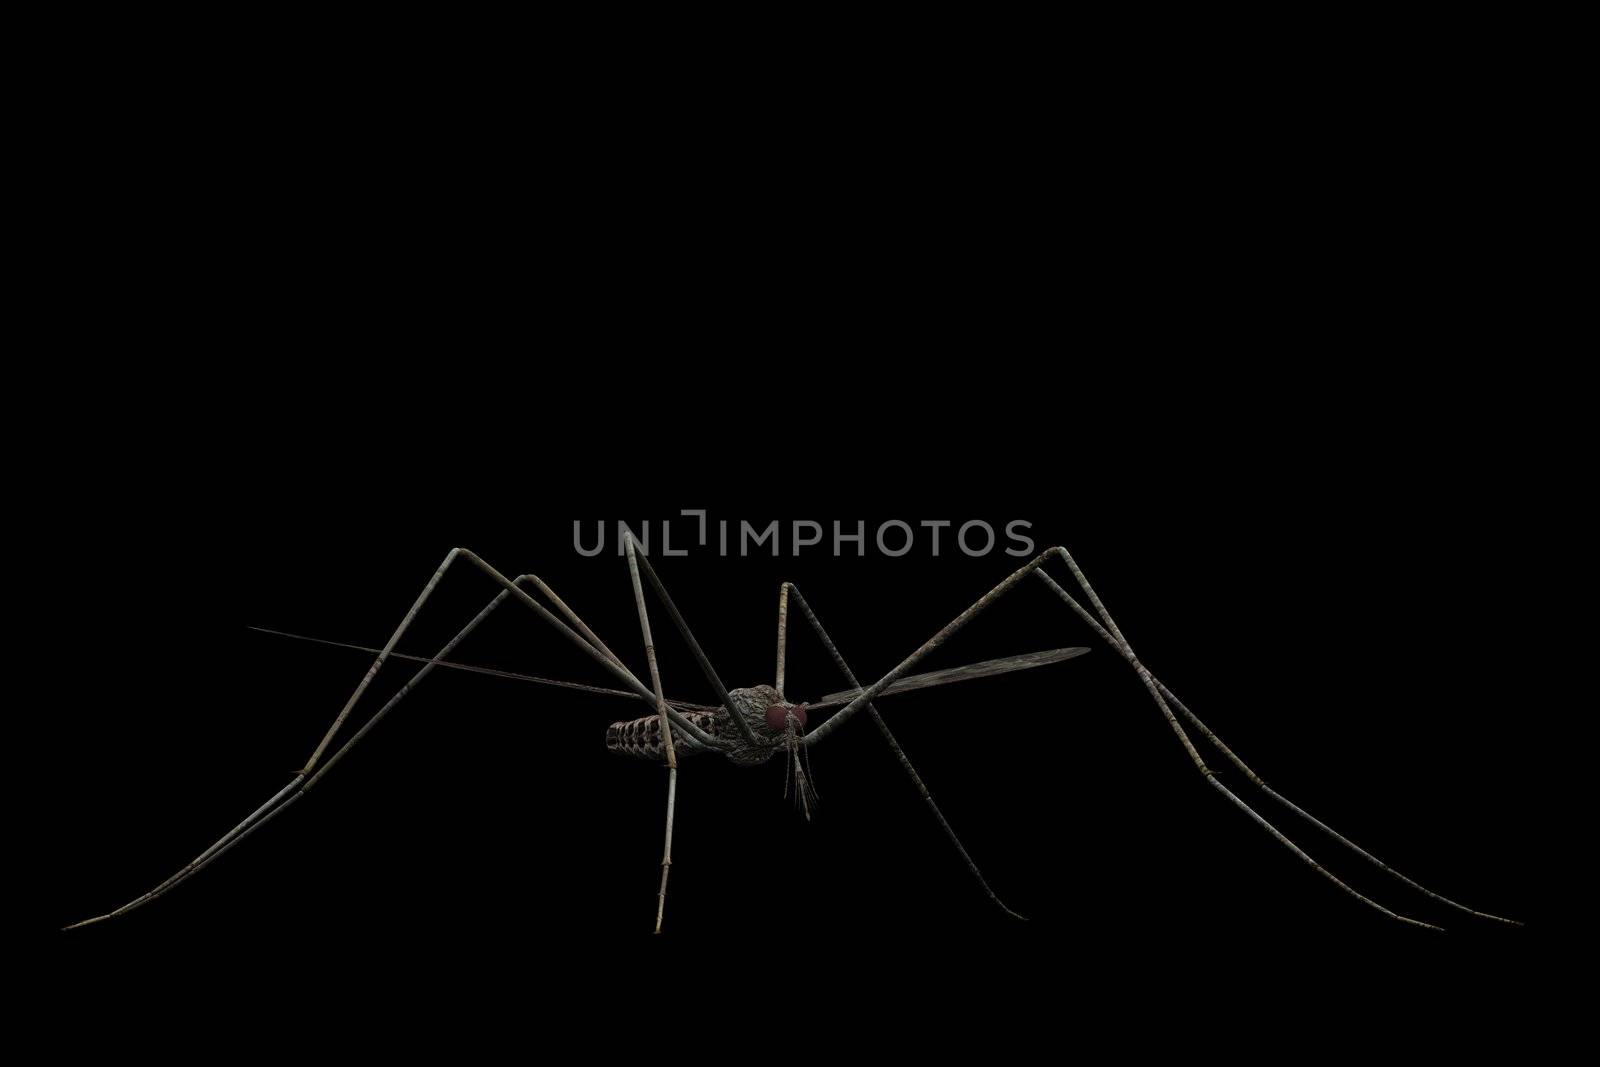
(641, 738)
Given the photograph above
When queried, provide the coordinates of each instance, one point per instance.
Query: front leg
(899, 753)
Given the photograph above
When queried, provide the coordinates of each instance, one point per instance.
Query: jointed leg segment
(1161, 695)
(783, 635)
(1159, 690)
(883, 728)
(694, 647)
(305, 778)
(666, 727)
(298, 785)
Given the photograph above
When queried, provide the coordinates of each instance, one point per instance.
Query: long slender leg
(869, 694)
(372, 672)
(1121, 644)
(593, 644)
(283, 798)
(783, 635)
(695, 732)
(1206, 732)
(599, 652)
(278, 800)
(988, 598)
(600, 645)
(894, 744)
(694, 646)
(511, 588)
(300, 783)
(572, 616)
(666, 727)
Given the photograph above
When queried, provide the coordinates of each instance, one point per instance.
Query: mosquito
(752, 725)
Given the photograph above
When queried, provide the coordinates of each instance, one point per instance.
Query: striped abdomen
(641, 738)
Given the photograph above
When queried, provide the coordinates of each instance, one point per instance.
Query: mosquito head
(778, 716)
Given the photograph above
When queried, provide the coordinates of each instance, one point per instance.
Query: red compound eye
(777, 716)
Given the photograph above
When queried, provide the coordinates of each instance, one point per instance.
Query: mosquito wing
(916, 681)
(960, 674)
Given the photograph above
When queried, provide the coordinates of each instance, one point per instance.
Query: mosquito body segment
(759, 706)
(641, 738)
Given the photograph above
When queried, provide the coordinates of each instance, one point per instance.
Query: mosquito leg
(871, 692)
(666, 728)
(600, 646)
(572, 617)
(783, 634)
(615, 666)
(270, 808)
(1113, 635)
(599, 653)
(694, 646)
(289, 793)
(372, 672)
(300, 783)
(591, 643)
(899, 752)
(1206, 732)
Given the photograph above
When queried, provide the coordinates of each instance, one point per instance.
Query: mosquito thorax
(767, 715)
(765, 711)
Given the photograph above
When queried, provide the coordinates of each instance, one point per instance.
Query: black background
(1343, 628)
(1290, 415)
